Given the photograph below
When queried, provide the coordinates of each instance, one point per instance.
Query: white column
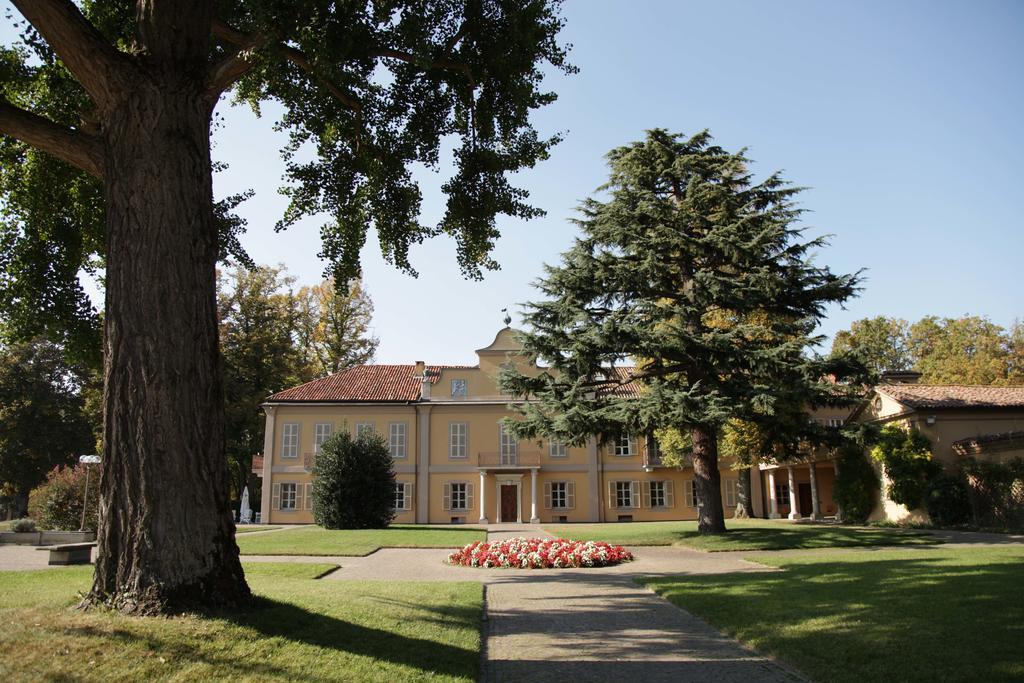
(815, 505)
(794, 509)
(268, 464)
(773, 505)
(534, 519)
(483, 497)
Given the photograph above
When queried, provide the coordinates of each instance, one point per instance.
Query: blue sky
(902, 118)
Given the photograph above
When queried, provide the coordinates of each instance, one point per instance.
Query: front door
(804, 491)
(508, 503)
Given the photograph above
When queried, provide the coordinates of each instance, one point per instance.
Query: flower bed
(539, 553)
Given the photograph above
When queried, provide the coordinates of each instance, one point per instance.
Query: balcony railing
(509, 460)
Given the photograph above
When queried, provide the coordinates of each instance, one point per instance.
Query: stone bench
(70, 553)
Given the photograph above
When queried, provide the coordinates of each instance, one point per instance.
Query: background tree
(334, 327)
(353, 483)
(258, 345)
(685, 233)
(966, 350)
(969, 350)
(42, 419)
(121, 96)
(881, 343)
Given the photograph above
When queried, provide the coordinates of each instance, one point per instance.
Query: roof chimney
(900, 377)
(421, 374)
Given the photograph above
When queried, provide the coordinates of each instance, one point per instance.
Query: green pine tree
(703, 275)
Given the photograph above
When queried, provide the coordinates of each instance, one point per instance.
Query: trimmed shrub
(996, 492)
(57, 503)
(354, 484)
(23, 526)
(947, 500)
(856, 485)
(907, 457)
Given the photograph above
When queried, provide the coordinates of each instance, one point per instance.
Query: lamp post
(86, 460)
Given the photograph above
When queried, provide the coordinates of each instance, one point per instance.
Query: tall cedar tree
(683, 236)
(105, 116)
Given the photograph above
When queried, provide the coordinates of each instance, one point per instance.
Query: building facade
(454, 461)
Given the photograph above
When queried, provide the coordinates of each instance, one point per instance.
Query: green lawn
(301, 629)
(743, 534)
(249, 528)
(318, 541)
(952, 614)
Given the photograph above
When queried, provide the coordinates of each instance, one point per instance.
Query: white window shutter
(308, 497)
(446, 496)
(635, 493)
(408, 496)
(670, 500)
(469, 496)
(275, 497)
(612, 500)
(547, 495)
(647, 494)
(299, 498)
(570, 495)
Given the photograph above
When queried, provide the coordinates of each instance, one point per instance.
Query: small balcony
(508, 461)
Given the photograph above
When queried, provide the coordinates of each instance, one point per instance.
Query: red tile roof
(370, 383)
(257, 465)
(920, 396)
(630, 389)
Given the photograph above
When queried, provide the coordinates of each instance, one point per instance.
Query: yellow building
(454, 462)
(958, 420)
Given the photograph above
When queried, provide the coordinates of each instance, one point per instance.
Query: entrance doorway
(804, 491)
(509, 504)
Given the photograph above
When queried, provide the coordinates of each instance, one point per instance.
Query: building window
(834, 422)
(556, 449)
(781, 494)
(458, 440)
(623, 494)
(460, 496)
(365, 429)
(508, 447)
(690, 493)
(623, 445)
(288, 496)
(403, 496)
(658, 494)
(459, 387)
(290, 440)
(396, 439)
(559, 495)
(730, 494)
(321, 432)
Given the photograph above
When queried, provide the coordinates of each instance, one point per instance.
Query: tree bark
(166, 536)
(744, 505)
(707, 481)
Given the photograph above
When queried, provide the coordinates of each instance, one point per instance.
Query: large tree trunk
(166, 537)
(707, 481)
(744, 504)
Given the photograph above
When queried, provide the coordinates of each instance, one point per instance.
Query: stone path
(600, 625)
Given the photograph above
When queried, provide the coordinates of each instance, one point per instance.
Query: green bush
(907, 457)
(856, 485)
(57, 503)
(996, 492)
(947, 500)
(23, 526)
(354, 483)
